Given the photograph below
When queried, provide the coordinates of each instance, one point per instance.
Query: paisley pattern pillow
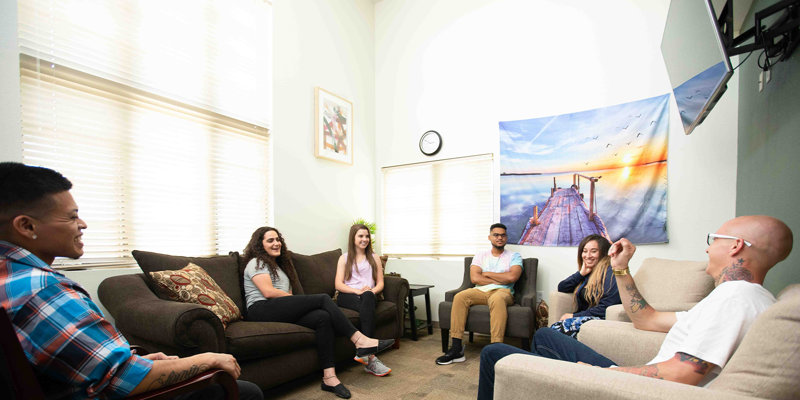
(192, 284)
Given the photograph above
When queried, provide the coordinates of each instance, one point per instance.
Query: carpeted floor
(415, 374)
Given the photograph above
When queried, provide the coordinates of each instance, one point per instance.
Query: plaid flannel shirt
(62, 332)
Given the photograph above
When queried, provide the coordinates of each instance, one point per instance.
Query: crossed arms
(480, 277)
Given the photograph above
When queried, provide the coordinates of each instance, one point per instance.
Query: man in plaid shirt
(61, 330)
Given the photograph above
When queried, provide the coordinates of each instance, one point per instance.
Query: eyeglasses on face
(499, 235)
(712, 236)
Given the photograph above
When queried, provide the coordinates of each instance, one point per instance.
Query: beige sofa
(667, 285)
(765, 366)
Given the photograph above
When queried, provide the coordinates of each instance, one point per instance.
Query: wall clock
(430, 143)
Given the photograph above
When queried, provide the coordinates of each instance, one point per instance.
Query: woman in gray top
(268, 291)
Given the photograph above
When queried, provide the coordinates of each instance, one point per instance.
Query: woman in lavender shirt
(359, 281)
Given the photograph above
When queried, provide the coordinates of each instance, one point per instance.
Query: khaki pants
(497, 299)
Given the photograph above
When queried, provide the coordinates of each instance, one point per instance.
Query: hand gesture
(621, 253)
(585, 270)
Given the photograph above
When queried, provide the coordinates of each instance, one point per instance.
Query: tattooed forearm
(637, 301)
(735, 272)
(177, 376)
(645, 370)
(701, 367)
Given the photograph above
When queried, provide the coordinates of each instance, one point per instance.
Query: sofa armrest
(560, 304)
(529, 300)
(617, 313)
(621, 342)
(450, 294)
(395, 289)
(138, 312)
(519, 376)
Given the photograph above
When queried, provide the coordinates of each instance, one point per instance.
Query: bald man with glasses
(700, 341)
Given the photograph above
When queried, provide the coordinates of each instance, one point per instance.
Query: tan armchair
(765, 366)
(668, 285)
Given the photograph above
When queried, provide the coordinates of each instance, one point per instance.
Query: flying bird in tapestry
(600, 171)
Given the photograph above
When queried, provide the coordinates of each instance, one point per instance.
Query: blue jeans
(546, 343)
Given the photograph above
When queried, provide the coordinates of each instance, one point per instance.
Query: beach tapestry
(601, 171)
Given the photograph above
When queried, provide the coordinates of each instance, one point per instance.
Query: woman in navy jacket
(593, 286)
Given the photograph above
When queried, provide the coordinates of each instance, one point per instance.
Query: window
(437, 208)
(158, 112)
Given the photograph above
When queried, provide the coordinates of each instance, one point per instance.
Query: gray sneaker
(376, 367)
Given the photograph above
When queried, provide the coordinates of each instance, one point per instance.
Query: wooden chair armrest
(199, 381)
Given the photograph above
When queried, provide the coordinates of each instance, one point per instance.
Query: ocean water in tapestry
(601, 171)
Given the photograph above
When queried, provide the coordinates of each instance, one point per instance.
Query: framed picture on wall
(333, 127)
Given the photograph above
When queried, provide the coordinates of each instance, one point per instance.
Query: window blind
(437, 208)
(160, 123)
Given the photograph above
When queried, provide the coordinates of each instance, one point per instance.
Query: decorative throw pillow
(192, 284)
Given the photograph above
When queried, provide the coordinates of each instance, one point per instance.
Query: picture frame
(333, 127)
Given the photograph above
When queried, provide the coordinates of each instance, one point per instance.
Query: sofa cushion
(248, 340)
(767, 362)
(673, 285)
(192, 284)
(223, 269)
(317, 272)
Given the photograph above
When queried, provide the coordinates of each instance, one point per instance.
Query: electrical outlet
(540, 296)
(761, 80)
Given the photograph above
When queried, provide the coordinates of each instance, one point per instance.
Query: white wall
(327, 44)
(316, 43)
(460, 66)
(10, 139)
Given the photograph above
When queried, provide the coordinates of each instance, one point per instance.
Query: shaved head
(771, 238)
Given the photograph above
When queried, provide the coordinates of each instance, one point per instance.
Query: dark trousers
(547, 343)
(247, 391)
(365, 305)
(315, 311)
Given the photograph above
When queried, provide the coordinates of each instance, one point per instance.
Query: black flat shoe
(338, 390)
(368, 351)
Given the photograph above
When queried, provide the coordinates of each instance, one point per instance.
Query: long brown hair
(255, 249)
(597, 278)
(350, 264)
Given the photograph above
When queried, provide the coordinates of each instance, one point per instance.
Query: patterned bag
(542, 313)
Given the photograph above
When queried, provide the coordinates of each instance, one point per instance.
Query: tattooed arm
(683, 368)
(639, 311)
(170, 371)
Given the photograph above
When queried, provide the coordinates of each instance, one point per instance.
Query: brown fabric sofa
(270, 353)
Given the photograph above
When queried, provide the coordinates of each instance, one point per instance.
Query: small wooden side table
(416, 290)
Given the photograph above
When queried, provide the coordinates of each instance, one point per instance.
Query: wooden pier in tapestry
(565, 218)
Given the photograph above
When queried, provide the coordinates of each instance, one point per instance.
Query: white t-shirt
(714, 327)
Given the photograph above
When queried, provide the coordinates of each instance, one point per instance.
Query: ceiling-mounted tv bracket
(778, 40)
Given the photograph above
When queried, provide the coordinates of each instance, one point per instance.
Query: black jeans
(315, 311)
(365, 305)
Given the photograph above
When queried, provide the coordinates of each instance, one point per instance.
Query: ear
(24, 226)
(736, 248)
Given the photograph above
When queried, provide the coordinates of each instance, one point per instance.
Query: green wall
(768, 178)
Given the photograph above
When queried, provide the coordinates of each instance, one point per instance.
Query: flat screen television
(696, 60)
